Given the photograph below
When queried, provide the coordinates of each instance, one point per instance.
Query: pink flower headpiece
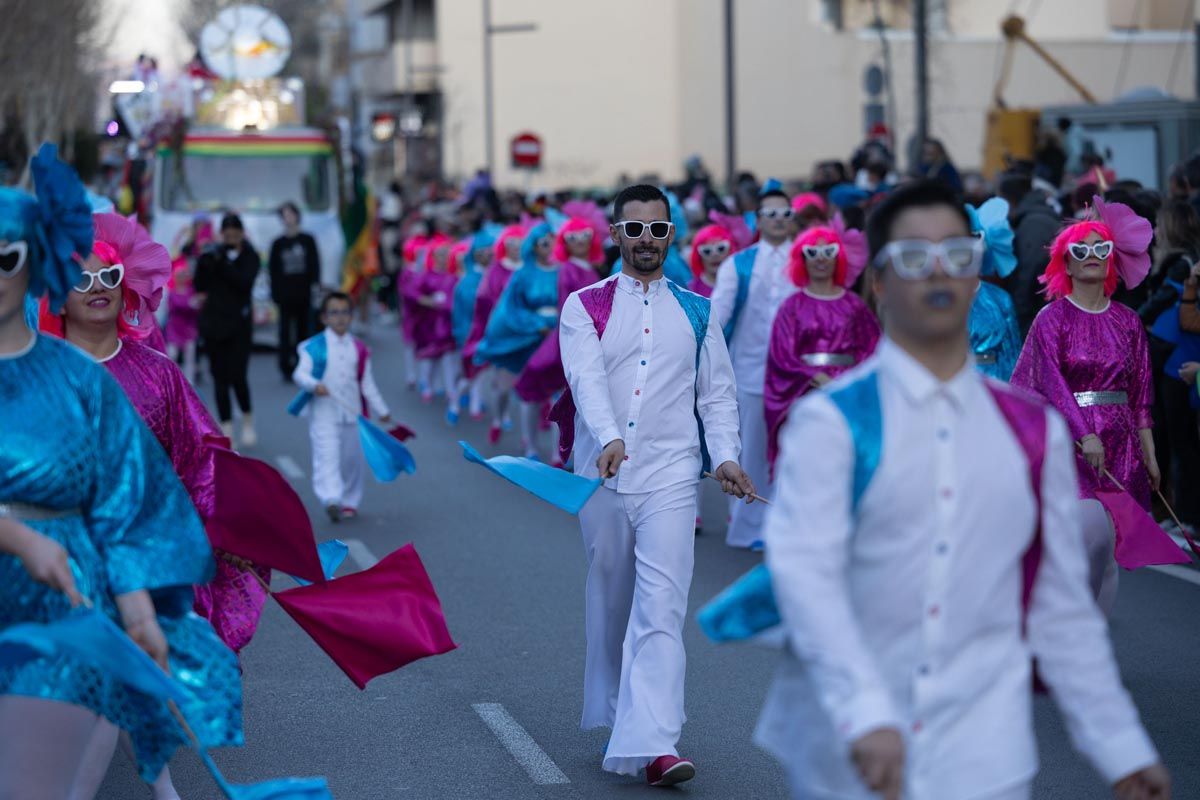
(147, 268)
(1131, 236)
(743, 237)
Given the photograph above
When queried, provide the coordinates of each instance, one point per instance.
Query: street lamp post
(730, 109)
(921, 57)
(489, 139)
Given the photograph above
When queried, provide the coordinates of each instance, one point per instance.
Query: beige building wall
(630, 86)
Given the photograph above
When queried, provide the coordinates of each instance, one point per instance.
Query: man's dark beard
(627, 257)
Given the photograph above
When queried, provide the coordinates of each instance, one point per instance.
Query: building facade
(628, 88)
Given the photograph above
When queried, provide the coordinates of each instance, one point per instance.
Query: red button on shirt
(626, 458)
(916, 727)
(637, 391)
(647, 330)
(934, 611)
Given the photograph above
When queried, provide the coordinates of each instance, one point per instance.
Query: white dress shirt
(639, 383)
(770, 285)
(341, 379)
(908, 614)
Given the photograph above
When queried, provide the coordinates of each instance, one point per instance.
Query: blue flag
(556, 486)
(331, 554)
(386, 456)
(93, 638)
(743, 610)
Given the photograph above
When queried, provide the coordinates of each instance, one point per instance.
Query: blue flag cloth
(278, 789)
(331, 553)
(93, 638)
(743, 610)
(386, 456)
(556, 486)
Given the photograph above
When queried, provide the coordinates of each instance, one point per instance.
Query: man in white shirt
(751, 285)
(644, 363)
(335, 378)
(900, 585)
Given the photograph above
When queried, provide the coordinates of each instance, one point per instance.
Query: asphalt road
(498, 718)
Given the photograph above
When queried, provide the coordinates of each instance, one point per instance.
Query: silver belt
(828, 359)
(1085, 399)
(988, 357)
(27, 511)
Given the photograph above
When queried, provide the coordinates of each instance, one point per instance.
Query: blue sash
(743, 264)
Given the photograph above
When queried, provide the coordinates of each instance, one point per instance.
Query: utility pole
(921, 57)
(730, 107)
(489, 138)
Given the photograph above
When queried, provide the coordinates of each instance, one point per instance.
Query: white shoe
(227, 430)
(249, 437)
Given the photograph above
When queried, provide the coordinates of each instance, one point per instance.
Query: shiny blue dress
(78, 465)
(527, 310)
(463, 312)
(995, 337)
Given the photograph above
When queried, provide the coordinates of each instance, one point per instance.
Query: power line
(1137, 13)
(1183, 26)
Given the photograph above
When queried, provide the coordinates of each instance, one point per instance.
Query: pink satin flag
(1140, 540)
(257, 515)
(375, 621)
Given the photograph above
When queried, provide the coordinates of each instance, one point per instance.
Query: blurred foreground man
(924, 548)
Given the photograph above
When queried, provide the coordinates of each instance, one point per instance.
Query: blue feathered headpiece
(991, 221)
(55, 222)
(487, 236)
(678, 217)
(535, 233)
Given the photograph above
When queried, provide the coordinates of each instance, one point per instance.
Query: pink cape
(177, 417)
(543, 376)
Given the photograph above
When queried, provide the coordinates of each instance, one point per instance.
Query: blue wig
(990, 221)
(536, 232)
(55, 223)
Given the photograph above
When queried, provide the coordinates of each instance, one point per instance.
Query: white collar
(918, 383)
(638, 287)
(113, 354)
(1107, 305)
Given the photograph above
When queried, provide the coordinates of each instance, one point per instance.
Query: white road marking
(289, 468)
(1176, 571)
(520, 744)
(361, 554)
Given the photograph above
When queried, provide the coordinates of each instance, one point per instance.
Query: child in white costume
(336, 382)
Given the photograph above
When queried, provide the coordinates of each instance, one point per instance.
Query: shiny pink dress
(543, 375)
(1094, 368)
(177, 417)
(812, 335)
(701, 288)
(434, 329)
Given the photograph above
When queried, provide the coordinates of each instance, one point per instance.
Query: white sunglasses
(913, 259)
(633, 229)
(109, 278)
(578, 236)
(12, 258)
(776, 213)
(1081, 250)
(715, 249)
(817, 252)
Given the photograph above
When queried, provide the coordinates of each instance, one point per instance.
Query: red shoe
(494, 434)
(349, 513)
(669, 770)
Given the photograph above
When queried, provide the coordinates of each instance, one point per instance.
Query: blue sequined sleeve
(140, 514)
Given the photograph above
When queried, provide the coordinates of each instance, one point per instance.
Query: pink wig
(806, 200)
(436, 243)
(56, 324)
(1055, 279)
(147, 269)
(511, 232)
(851, 257)
(412, 248)
(707, 235)
(458, 255)
(574, 225)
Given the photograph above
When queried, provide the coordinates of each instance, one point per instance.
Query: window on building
(1151, 15)
(424, 20)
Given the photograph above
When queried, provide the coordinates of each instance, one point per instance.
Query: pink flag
(258, 516)
(1140, 541)
(375, 621)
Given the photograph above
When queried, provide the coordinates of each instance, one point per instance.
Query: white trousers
(640, 557)
(337, 462)
(746, 521)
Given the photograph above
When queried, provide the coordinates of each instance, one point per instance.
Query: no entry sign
(526, 151)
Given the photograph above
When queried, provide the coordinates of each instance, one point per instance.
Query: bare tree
(49, 63)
